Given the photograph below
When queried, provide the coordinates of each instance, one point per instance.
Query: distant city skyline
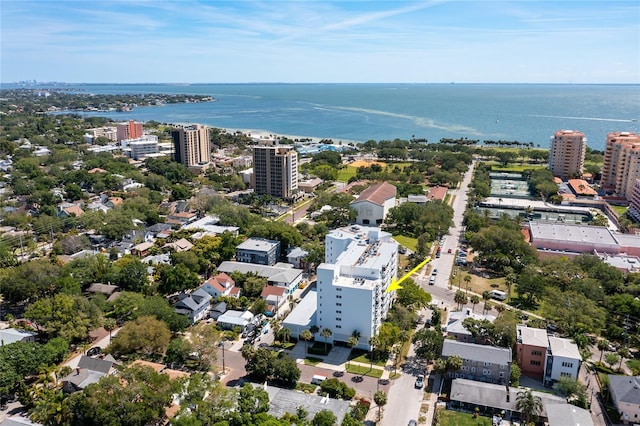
(321, 41)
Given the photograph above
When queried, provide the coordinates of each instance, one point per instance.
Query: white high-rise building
(360, 263)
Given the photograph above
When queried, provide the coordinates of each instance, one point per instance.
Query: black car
(96, 350)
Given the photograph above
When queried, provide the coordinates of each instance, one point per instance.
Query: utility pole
(221, 344)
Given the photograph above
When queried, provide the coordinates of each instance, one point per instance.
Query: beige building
(566, 154)
(275, 171)
(634, 205)
(621, 165)
(191, 145)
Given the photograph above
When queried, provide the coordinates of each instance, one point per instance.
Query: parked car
(449, 251)
(413, 423)
(435, 271)
(96, 350)
(419, 382)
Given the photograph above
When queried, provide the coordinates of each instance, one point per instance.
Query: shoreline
(265, 134)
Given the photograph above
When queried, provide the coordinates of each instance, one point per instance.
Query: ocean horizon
(527, 112)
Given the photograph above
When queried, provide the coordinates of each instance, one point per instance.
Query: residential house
(625, 394)
(89, 371)
(142, 249)
(106, 289)
(563, 360)
(181, 218)
(479, 362)
(13, 335)
(194, 305)
(296, 257)
(113, 202)
(209, 226)
(217, 310)
(455, 327)
(310, 185)
(437, 193)
(259, 251)
(373, 204)
(275, 298)
(420, 199)
(179, 245)
(500, 401)
(531, 350)
(158, 228)
(67, 210)
(221, 285)
(232, 319)
(280, 274)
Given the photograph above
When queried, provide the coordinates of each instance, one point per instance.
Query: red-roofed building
(437, 193)
(274, 296)
(374, 203)
(581, 187)
(221, 285)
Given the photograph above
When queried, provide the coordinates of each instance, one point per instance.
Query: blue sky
(320, 41)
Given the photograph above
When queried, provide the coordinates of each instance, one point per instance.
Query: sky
(242, 41)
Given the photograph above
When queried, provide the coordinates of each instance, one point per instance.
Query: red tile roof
(437, 193)
(581, 187)
(272, 290)
(377, 194)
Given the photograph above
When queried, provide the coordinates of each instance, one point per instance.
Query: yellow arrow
(395, 284)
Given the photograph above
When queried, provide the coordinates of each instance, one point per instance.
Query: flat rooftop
(571, 233)
(258, 244)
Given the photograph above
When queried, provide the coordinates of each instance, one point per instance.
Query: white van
(498, 295)
(317, 379)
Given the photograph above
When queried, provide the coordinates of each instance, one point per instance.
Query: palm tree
(603, 345)
(460, 298)
(486, 296)
(529, 405)
(326, 333)
(285, 334)
(354, 339)
(453, 363)
(467, 280)
(306, 336)
(374, 342)
(314, 329)
(475, 299)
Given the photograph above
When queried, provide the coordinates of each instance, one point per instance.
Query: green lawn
(516, 167)
(456, 418)
(361, 356)
(310, 360)
(346, 173)
(621, 210)
(408, 242)
(364, 371)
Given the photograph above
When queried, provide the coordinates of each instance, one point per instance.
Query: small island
(51, 100)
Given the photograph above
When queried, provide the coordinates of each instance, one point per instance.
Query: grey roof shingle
(625, 389)
(475, 352)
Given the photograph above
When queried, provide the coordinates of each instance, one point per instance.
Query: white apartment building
(563, 360)
(566, 154)
(108, 132)
(141, 147)
(621, 165)
(360, 263)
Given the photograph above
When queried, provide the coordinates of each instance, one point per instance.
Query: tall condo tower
(360, 263)
(129, 130)
(191, 145)
(566, 155)
(621, 165)
(275, 171)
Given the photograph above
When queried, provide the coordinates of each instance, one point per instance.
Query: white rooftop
(564, 348)
(532, 336)
(571, 233)
(258, 244)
